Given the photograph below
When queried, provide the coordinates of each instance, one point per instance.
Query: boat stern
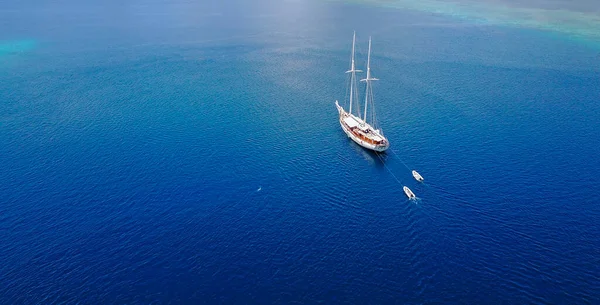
(382, 146)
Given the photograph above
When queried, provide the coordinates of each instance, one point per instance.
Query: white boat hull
(379, 147)
(417, 176)
(409, 193)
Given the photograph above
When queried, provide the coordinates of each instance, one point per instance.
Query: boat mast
(353, 71)
(368, 81)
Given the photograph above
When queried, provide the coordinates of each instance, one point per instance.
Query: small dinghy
(409, 193)
(417, 176)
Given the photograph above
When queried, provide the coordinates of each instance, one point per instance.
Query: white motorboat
(417, 176)
(409, 193)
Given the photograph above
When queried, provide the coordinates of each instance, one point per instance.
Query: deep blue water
(134, 139)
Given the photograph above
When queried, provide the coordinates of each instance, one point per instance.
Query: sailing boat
(359, 129)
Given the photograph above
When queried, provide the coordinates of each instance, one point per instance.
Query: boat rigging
(360, 129)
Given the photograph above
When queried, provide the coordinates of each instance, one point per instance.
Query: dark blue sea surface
(181, 152)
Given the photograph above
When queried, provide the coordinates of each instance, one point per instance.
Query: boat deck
(359, 127)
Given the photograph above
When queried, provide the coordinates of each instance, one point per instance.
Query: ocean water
(181, 152)
(579, 19)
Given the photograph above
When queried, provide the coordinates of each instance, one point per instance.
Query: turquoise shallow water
(577, 20)
(135, 140)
